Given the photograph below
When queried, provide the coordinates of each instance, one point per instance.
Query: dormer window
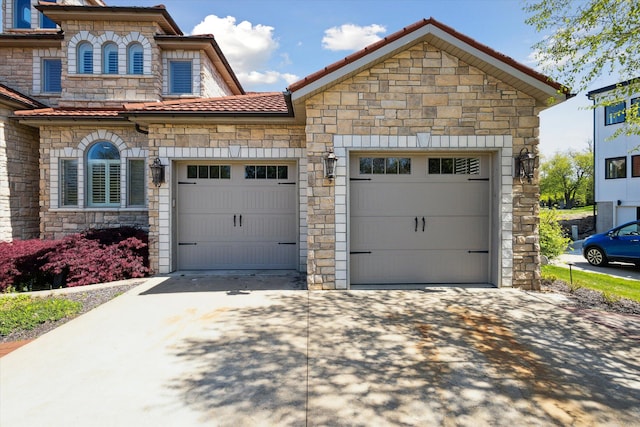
(180, 77)
(110, 58)
(85, 58)
(22, 14)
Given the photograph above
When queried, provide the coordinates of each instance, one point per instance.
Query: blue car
(621, 243)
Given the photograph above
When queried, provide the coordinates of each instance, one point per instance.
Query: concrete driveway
(180, 352)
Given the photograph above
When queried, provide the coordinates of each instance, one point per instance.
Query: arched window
(103, 175)
(22, 14)
(135, 58)
(110, 58)
(85, 58)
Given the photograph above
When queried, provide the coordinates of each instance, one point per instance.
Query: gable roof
(443, 37)
(14, 98)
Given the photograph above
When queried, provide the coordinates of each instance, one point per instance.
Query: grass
(611, 286)
(24, 312)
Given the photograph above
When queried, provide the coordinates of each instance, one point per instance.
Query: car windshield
(630, 230)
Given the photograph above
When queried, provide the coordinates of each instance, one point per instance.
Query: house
(431, 132)
(616, 161)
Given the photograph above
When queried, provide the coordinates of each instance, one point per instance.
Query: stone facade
(421, 91)
(18, 183)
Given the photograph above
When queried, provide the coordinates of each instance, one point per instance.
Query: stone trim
(169, 155)
(343, 144)
(38, 56)
(134, 37)
(79, 154)
(72, 52)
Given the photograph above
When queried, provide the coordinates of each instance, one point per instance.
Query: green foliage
(614, 286)
(586, 39)
(552, 239)
(23, 312)
(569, 176)
(610, 298)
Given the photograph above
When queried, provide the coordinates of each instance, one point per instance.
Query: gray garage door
(237, 216)
(419, 219)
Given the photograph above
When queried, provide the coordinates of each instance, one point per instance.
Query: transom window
(615, 168)
(385, 166)
(103, 173)
(454, 166)
(615, 113)
(266, 172)
(209, 172)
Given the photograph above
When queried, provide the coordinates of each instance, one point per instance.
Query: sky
(272, 43)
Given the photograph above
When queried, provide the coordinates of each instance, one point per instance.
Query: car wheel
(595, 256)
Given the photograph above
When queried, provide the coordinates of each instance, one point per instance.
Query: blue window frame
(85, 58)
(180, 77)
(103, 175)
(135, 57)
(52, 75)
(110, 58)
(615, 113)
(21, 14)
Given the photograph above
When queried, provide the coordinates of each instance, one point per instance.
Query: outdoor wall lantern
(526, 164)
(330, 161)
(157, 172)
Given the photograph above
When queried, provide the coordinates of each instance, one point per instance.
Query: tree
(568, 175)
(585, 39)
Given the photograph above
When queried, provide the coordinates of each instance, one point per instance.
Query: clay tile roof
(259, 103)
(15, 96)
(410, 29)
(70, 113)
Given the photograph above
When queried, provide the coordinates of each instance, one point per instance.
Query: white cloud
(351, 37)
(247, 47)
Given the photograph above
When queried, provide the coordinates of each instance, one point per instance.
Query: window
(266, 172)
(635, 166)
(635, 103)
(110, 58)
(209, 172)
(180, 77)
(135, 58)
(103, 175)
(614, 113)
(135, 183)
(85, 58)
(385, 165)
(22, 14)
(45, 22)
(52, 75)
(615, 168)
(454, 166)
(69, 182)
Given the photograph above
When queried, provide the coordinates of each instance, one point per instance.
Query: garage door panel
(398, 198)
(274, 228)
(279, 199)
(205, 255)
(201, 227)
(205, 199)
(430, 267)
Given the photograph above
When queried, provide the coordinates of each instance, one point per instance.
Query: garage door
(237, 216)
(419, 219)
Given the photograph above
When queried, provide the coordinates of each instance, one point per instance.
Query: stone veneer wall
(18, 187)
(216, 142)
(58, 142)
(422, 91)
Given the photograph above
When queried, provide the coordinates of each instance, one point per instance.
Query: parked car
(621, 243)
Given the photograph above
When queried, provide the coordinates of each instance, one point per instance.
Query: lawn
(624, 288)
(24, 312)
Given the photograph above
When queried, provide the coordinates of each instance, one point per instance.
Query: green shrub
(22, 312)
(553, 242)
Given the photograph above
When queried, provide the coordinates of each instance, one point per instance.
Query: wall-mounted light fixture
(157, 172)
(525, 164)
(330, 160)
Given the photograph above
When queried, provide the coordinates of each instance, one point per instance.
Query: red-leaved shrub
(81, 259)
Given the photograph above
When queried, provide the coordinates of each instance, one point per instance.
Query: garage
(237, 215)
(419, 219)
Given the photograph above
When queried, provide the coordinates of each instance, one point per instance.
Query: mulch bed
(590, 299)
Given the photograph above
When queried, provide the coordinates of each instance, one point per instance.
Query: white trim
(424, 142)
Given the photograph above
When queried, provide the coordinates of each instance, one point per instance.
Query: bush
(24, 313)
(552, 239)
(79, 259)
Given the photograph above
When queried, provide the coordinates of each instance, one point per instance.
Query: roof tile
(13, 95)
(268, 102)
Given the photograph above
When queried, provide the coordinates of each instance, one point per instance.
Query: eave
(158, 14)
(40, 40)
